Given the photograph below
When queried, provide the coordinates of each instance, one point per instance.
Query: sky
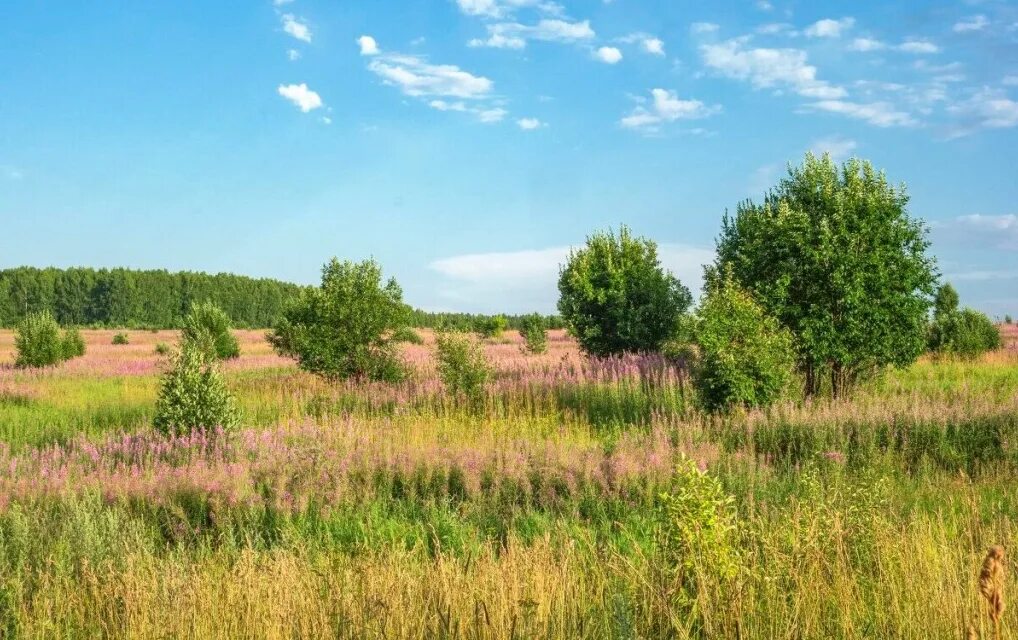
(468, 144)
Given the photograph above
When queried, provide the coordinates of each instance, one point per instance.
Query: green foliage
(835, 257)
(193, 393)
(1007, 319)
(966, 333)
(461, 364)
(209, 318)
(344, 328)
(491, 326)
(407, 336)
(73, 345)
(121, 338)
(616, 298)
(534, 332)
(38, 342)
(744, 357)
(162, 349)
(945, 301)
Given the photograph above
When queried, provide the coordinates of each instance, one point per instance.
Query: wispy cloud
(503, 8)
(913, 46)
(829, 28)
(529, 124)
(839, 147)
(301, 96)
(972, 23)
(664, 107)
(648, 43)
(985, 109)
(295, 27)
(513, 35)
(881, 114)
(768, 68)
(979, 230)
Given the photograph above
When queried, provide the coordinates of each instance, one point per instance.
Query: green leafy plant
(345, 327)
(38, 342)
(492, 326)
(834, 256)
(743, 357)
(615, 297)
(407, 335)
(209, 318)
(121, 338)
(73, 345)
(462, 364)
(966, 333)
(535, 333)
(193, 392)
(162, 349)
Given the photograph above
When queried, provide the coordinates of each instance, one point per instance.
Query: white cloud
(774, 28)
(866, 44)
(769, 68)
(918, 46)
(987, 108)
(839, 147)
(293, 55)
(764, 5)
(654, 46)
(296, 28)
(610, 55)
(305, 99)
(529, 277)
(495, 114)
(502, 8)
(908, 46)
(529, 124)
(998, 231)
(828, 28)
(280, 3)
(666, 107)
(513, 35)
(972, 23)
(881, 114)
(368, 46)
(703, 27)
(416, 77)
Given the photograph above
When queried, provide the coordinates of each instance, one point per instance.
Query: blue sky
(467, 144)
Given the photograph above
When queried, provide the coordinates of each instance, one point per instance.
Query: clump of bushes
(121, 338)
(407, 335)
(192, 392)
(965, 333)
(208, 318)
(491, 327)
(461, 364)
(39, 342)
(162, 349)
(535, 333)
(345, 328)
(742, 356)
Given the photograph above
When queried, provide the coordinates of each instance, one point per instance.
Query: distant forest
(160, 299)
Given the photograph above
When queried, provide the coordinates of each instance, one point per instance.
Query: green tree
(38, 342)
(616, 298)
(344, 328)
(962, 332)
(945, 301)
(209, 318)
(193, 393)
(491, 326)
(72, 344)
(535, 333)
(744, 358)
(835, 257)
(462, 364)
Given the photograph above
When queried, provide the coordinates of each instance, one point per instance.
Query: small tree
(534, 332)
(193, 393)
(121, 338)
(345, 328)
(38, 342)
(744, 357)
(209, 318)
(966, 332)
(616, 298)
(491, 326)
(462, 364)
(1007, 319)
(73, 345)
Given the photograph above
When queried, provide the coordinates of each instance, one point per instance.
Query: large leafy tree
(833, 254)
(615, 297)
(345, 328)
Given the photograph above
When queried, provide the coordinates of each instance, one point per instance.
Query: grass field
(581, 498)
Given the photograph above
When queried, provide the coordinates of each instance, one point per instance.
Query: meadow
(578, 497)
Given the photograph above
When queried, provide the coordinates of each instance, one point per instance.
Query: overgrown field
(576, 498)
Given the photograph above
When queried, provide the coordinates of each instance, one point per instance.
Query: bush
(1007, 319)
(616, 298)
(121, 338)
(745, 358)
(73, 345)
(344, 328)
(193, 393)
(38, 342)
(462, 364)
(966, 333)
(209, 318)
(491, 326)
(534, 332)
(407, 335)
(162, 348)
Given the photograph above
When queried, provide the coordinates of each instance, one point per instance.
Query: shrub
(73, 345)
(534, 332)
(406, 335)
(162, 348)
(966, 333)
(37, 340)
(462, 364)
(121, 338)
(744, 358)
(209, 318)
(616, 298)
(491, 326)
(1007, 319)
(344, 328)
(193, 393)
